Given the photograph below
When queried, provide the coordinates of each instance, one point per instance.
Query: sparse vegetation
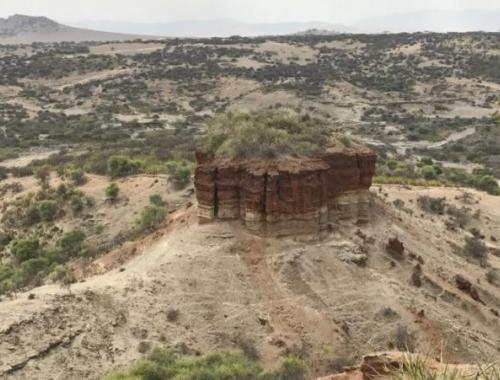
(33, 261)
(476, 250)
(163, 364)
(153, 215)
(417, 368)
(432, 205)
(426, 102)
(265, 135)
(180, 173)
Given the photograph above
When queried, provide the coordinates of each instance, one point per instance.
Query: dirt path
(90, 78)
(403, 146)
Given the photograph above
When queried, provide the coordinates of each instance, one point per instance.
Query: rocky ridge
(286, 196)
(16, 24)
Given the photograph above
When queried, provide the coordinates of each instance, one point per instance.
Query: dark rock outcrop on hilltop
(286, 196)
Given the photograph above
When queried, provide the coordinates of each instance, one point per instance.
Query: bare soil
(236, 290)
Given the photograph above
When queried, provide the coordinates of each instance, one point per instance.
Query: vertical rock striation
(286, 196)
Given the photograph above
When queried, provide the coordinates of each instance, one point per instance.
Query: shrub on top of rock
(265, 135)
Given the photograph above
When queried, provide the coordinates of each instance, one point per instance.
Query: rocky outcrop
(286, 196)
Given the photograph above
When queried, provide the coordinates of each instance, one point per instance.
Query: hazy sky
(335, 11)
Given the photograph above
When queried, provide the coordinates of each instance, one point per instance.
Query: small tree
(112, 192)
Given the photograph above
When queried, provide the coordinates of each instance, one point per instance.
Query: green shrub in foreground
(163, 364)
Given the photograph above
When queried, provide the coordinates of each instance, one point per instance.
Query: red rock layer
(285, 197)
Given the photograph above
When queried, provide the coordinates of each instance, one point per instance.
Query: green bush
(152, 217)
(47, 210)
(427, 161)
(163, 364)
(71, 243)
(62, 190)
(156, 200)
(76, 203)
(122, 166)
(489, 184)
(180, 173)
(31, 268)
(428, 172)
(77, 176)
(112, 192)
(265, 135)
(25, 249)
(8, 281)
(399, 180)
(5, 239)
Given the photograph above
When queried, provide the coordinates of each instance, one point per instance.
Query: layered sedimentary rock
(286, 196)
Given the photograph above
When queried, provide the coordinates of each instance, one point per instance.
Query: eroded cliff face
(286, 196)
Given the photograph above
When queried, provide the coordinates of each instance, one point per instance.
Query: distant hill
(211, 28)
(317, 32)
(20, 29)
(421, 21)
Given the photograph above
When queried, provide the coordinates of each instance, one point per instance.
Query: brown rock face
(285, 196)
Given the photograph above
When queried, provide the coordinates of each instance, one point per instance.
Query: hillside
(21, 29)
(199, 287)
